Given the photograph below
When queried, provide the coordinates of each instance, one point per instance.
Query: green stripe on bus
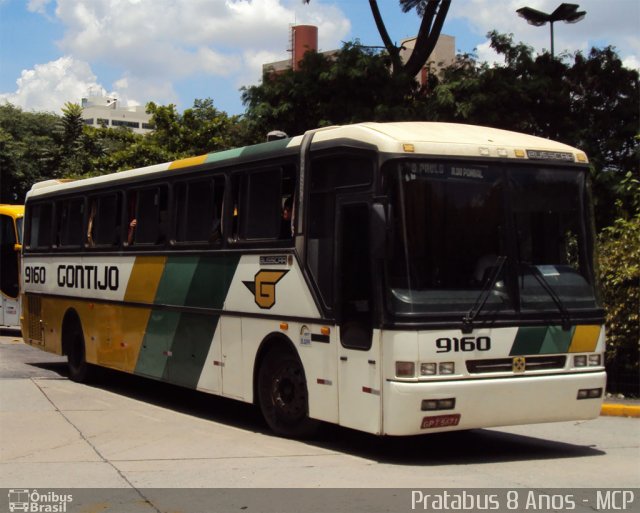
(190, 347)
(176, 344)
(542, 340)
(157, 342)
(224, 155)
(257, 150)
(176, 280)
(211, 281)
(528, 340)
(557, 340)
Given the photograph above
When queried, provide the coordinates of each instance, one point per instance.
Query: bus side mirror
(378, 230)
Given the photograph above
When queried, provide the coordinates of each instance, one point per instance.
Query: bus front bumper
(482, 403)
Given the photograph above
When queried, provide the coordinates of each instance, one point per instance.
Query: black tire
(282, 395)
(79, 369)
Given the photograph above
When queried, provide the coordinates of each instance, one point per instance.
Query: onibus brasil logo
(21, 499)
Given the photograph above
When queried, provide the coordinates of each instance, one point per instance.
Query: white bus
(431, 277)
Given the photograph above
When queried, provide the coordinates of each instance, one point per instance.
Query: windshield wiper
(565, 316)
(472, 314)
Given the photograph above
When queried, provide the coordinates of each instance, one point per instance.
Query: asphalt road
(132, 434)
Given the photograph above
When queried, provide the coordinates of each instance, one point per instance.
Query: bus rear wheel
(282, 395)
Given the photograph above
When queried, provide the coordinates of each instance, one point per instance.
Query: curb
(620, 410)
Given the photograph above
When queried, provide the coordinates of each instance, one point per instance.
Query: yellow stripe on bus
(145, 278)
(188, 162)
(585, 339)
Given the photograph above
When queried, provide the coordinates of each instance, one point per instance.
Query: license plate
(440, 421)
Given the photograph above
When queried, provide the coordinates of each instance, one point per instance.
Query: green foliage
(353, 85)
(198, 130)
(37, 146)
(27, 140)
(619, 270)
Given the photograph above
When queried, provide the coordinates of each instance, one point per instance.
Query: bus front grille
(532, 363)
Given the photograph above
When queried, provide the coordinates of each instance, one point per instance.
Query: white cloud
(144, 48)
(632, 62)
(171, 40)
(487, 54)
(39, 6)
(613, 23)
(47, 87)
(178, 38)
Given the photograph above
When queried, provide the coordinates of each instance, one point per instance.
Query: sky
(177, 51)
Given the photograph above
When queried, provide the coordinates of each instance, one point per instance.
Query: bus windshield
(456, 223)
(19, 222)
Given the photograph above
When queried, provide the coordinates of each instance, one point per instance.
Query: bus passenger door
(231, 344)
(359, 372)
(9, 275)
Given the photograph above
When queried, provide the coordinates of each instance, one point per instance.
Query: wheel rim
(288, 392)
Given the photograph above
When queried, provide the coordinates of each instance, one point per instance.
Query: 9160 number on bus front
(466, 344)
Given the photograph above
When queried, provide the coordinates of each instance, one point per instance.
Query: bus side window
(148, 216)
(103, 227)
(287, 195)
(70, 220)
(259, 205)
(40, 224)
(198, 206)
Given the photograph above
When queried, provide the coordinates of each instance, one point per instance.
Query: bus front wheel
(282, 394)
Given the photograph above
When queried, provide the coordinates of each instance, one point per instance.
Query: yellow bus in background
(11, 217)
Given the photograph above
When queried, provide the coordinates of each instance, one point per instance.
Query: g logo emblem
(519, 365)
(263, 287)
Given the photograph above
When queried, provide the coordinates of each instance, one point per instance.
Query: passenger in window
(92, 216)
(132, 231)
(286, 229)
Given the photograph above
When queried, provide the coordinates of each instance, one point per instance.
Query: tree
(619, 269)
(433, 13)
(198, 130)
(351, 86)
(26, 141)
(74, 151)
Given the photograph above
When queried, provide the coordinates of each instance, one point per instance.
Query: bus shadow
(452, 448)
(179, 399)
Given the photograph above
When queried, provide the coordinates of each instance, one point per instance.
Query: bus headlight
(447, 368)
(428, 369)
(595, 360)
(583, 360)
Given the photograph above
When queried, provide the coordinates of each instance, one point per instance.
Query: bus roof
(409, 138)
(14, 211)
(452, 139)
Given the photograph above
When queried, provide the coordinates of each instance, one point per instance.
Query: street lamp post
(564, 12)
